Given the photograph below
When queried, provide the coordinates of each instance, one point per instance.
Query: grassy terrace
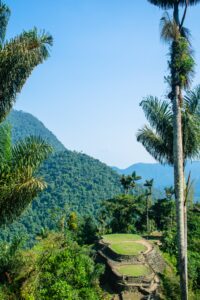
(133, 270)
(124, 244)
(127, 248)
(120, 238)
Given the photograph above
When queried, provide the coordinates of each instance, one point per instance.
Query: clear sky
(107, 56)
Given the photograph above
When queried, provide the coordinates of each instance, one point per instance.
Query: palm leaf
(30, 152)
(155, 145)
(159, 115)
(158, 138)
(167, 4)
(18, 183)
(5, 144)
(18, 58)
(192, 100)
(16, 197)
(168, 28)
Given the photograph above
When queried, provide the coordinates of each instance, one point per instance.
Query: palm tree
(18, 164)
(18, 58)
(181, 66)
(129, 182)
(169, 192)
(135, 178)
(148, 184)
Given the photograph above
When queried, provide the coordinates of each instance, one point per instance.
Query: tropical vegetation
(55, 207)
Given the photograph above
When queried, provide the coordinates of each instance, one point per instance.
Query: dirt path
(146, 244)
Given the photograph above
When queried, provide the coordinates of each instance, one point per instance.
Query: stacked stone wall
(155, 260)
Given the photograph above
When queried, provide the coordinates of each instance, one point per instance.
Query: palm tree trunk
(179, 175)
(185, 227)
(179, 191)
(186, 242)
(147, 214)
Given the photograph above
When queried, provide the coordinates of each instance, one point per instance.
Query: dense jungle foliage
(55, 268)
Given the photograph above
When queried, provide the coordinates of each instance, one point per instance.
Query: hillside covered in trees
(75, 181)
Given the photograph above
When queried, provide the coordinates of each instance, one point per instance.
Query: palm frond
(30, 152)
(149, 183)
(159, 115)
(192, 101)
(159, 137)
(135, 177)
(191, 135)
(169, 4)
(5, 144)
(168, 28)
(18, 58)
(155, 145)
(16, 197)
(169, 192)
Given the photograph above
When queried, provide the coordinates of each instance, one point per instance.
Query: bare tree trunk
(179, 191)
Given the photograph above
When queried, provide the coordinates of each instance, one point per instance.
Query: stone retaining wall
(155, 260)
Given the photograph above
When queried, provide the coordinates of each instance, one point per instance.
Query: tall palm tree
(18, 164)
(157, 137)
(169, 192)
(148, 184)
(180, 67)
(18, 57)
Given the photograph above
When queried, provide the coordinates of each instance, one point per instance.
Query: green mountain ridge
(25, 124)
(76, 182)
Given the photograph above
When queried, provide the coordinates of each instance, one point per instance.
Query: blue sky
(107, 56)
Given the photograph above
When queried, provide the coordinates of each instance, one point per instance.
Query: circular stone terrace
(133, 270)
(125, 256)
(127, 244)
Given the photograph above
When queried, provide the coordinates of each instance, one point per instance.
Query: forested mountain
(76, 182)
(25, 124)
(163, 175)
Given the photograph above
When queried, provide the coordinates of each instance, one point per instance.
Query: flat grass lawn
(120, 238)
(127, 248)
(134, 270)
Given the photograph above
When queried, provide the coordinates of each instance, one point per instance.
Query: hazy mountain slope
(24, 124)
(163, 175)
